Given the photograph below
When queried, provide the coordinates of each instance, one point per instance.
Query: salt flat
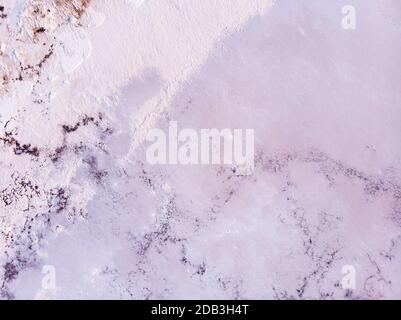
(83, 214)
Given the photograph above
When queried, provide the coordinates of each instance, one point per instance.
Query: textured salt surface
(76, 191)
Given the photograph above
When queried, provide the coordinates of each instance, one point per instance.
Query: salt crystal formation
(84, 215)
